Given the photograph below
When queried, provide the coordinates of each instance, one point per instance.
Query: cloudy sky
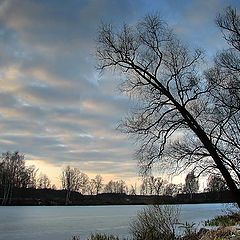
(54, 106)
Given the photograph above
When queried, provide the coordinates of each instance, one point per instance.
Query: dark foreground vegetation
(28, 196)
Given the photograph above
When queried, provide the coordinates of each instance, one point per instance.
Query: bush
(155, 222)
(189, 231)
(75, 238)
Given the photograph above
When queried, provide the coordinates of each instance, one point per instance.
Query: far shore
(50, 197)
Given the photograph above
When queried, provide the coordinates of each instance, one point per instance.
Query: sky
(55, 107)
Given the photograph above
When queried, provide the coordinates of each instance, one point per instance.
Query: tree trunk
(200, 133)
(213, 152)
(6, 192)
(225, 173)
(67, 200)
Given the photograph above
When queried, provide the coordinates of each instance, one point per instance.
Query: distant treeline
(18, 181)
(50, 197)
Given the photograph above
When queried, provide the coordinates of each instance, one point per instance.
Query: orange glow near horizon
(51, 170)
(54, 172)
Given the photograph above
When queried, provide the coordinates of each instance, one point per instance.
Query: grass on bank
(224, 220)
(230, 218)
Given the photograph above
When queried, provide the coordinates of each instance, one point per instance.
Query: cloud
(54, 106)
(195, 23)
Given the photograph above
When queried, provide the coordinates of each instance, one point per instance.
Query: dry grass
(220, 234)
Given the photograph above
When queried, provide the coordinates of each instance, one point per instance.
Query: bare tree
(12, 174)
(72, 180)
(83, 182)
(26, 176)
(116, 187)
(98, 183)
(91, 187)
(133, 189)
(171, 189)
(158, 185)
(191, 183)
(32, 176)
(172, 121)
(216, 183)
(95, 185)
(224, 91)
(152, 185)
(109, 187)
(144, 187)
(44, 181)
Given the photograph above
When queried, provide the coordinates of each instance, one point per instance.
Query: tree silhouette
(73, 180)
(14, 174)
(191, 183)
(216, 183)
(173, 121)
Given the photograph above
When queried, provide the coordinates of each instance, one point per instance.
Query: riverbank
(222, 233)
(222, 227)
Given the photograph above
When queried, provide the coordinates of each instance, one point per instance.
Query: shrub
(155, 222)
(219, 234)
(189, 231)
(75, 238)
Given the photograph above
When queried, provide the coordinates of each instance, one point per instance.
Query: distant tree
(26, 177)
(13, 173)
(165, 78)
(144, 187)
(32, 176)
(116, 187)
(109, 187)
(191, 183)
(121, 187)
(133, 189)
(216, 183)
(72, 180)
(180, 188)
(152, 185)
(95, 185)
(98, 180)
(44, 181)
(91, 187)
(83, 183)
(158, 185)
(171, 189)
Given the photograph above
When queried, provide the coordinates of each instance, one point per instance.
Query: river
(61, 222)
